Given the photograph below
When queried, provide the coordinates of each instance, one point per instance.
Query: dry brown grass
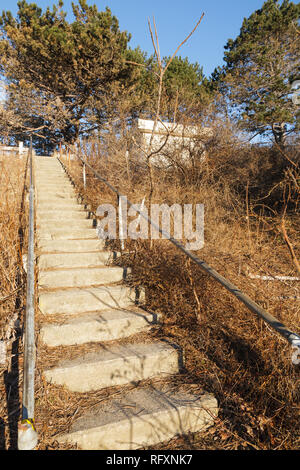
(12, 291)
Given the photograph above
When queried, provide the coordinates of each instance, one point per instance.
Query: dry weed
(12, 291)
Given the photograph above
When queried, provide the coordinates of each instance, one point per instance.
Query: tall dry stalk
(162, 70)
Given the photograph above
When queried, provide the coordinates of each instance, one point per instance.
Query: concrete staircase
(94, 304)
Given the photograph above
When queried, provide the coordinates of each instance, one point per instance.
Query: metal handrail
(285, 332)
(27, 435)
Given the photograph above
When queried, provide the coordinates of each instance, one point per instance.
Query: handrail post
(27, 435)
(84, 176)
(121, 229)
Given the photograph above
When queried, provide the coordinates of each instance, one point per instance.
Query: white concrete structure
(20, 150)
(172, 141)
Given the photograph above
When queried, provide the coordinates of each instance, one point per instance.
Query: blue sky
(174, 19)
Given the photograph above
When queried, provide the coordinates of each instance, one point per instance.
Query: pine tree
(185, 88)
(186, 91)
(66, 71)
(261, 64)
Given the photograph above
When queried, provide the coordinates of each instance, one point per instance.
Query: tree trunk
(279, 132)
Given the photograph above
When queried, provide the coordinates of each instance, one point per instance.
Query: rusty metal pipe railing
(285, 332)
(27, 435)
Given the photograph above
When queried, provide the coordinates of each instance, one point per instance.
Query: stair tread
(76, 222)
(70, 246)
(141, 401)
(74, 260)
(107, 325)
(116, 365)
(116, 352)
(72, 277)
(87, 299)
(142, 417)
(67, 234)
(106, 316)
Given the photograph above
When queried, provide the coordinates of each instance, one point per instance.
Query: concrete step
(116, 365)
(68, 191)
(81, 277)
(47, 164)
(53, 162)
(45, 169)
(77, 223)
(74, 210)
(61, 215)
(54, 166)
(40, 159)
(57, 196)
(43, 197)
(59, 179)
(75, 260)
(48, 186)
(90, 299)
(59, 205)
(44, 162)
(143, 417)
(52, 200)
(58, 188)
(108, 325)
(49, 170)
(70, 246)
(66, 234)
(51, 176)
